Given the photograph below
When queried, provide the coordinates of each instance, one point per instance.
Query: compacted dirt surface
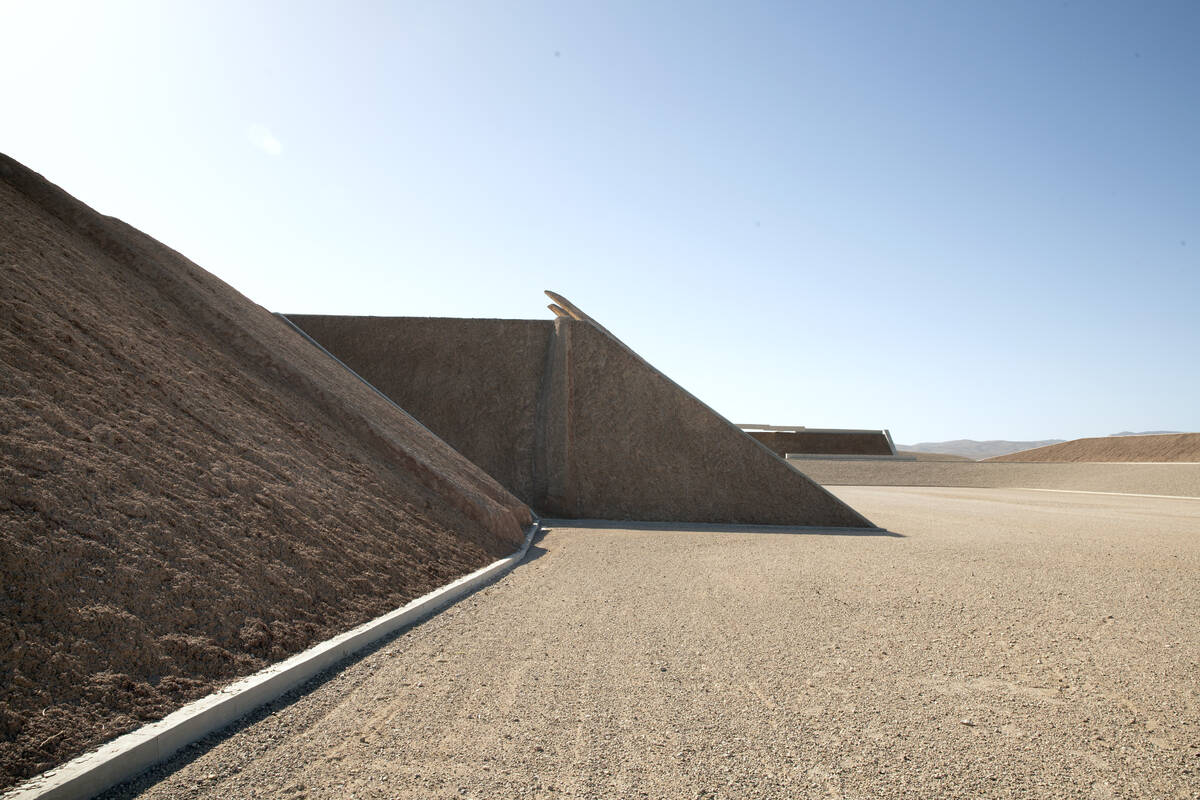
(993, 643)
(189, 490)
(1160, 447)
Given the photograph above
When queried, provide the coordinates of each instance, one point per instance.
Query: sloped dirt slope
(1163, 447)
(188, 489)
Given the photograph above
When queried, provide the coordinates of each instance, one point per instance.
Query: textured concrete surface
(640, 447)
(857, 443)
(473, 382)
(573, 422)
(1166, 479)
(1001, 644)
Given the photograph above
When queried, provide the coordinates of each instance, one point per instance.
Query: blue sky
(954, 220)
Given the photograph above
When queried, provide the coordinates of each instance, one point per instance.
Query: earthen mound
(189, 490)
(1176, 447)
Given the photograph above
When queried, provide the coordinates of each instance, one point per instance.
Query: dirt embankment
(188, 489)
(1169, 447)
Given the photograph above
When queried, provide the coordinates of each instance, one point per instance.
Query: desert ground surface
(990, 643)
(1162, 447)
(1158, 479)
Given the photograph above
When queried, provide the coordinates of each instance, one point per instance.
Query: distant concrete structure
(797, 441)
(572, 421)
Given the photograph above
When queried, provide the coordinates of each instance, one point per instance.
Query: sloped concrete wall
(574, 423)
(641, 447)
(826, 443)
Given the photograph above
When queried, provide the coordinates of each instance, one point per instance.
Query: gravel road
(997, 643)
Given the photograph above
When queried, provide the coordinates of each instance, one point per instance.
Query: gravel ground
(998, 643)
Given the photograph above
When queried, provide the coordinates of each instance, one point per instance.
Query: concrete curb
(127, 756)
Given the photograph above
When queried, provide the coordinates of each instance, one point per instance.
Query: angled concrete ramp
(572, 421)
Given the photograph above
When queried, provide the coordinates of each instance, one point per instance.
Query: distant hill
(1146, 447)
(973, 449)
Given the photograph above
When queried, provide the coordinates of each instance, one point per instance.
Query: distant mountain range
(972, 448)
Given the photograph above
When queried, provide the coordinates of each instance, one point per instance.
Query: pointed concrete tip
(572, 310)
(558, 310)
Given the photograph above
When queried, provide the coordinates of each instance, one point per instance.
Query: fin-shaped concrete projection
(575, 423)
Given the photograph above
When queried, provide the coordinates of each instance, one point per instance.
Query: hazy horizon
(954, 221)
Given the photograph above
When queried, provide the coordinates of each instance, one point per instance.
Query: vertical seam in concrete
(568, 422)
(552, 457)
(540, 489)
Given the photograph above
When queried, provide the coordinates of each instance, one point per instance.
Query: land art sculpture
(573, 421)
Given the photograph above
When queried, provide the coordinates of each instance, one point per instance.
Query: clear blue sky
(956, 219)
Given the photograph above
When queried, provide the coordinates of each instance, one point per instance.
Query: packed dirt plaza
(196, 492)
(988, 643)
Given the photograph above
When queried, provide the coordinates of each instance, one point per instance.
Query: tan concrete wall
(473, 382)
(573, 422)
(1182, 480)
(825, 443)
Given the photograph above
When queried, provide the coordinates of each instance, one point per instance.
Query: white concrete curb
(124, 757)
